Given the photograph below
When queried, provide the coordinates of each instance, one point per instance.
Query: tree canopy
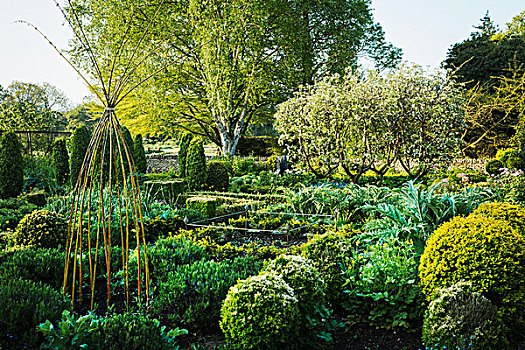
(231, 61)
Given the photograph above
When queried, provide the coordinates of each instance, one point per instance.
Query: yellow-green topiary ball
(486, 252)
(512, 213)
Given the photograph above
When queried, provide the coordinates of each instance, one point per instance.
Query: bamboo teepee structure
(107, 200)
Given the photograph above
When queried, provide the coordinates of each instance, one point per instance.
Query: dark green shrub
(260, 312)
(34, 264)
(12, 211)
(23, 306)
(162, 227)
(493, 167)
(79, 145)
(170, 253)
(11, 166)
(117, 332)
(483, 251)
(257, 145)
(139, 156)
(37, 198)
(459, 318)
(183, 153)
(60, 162)
(331, 254)
(42, 229)
(196, 165)
(167, 190)
(244, 166)
(192, 294)
(204, 205)
(217, 176)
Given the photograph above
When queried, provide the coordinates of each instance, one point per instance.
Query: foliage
(412, 116)
(39, 174)
(382, 286)
(483, 251)
(191, 295)
(121, 331)
(183, 153)
(260, 313)
(43, 229)
(79, 145)
(217, 176)
(510, 185)
(162, 227)
(166, 190)
(511, 213)
(60, 162)
(37, 198)
(12, 211)
(461, 318)
(196, 164)
(139, 156)
(244, 58)
(11, 166)
(493, 167)
(331, 254)
(34, 264)
(23, 306)
(256, 145)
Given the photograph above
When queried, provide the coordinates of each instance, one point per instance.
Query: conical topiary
(79, 146)
(183, 153)
(196, 165)
(11, 166)
(139, 155)
(60, 162)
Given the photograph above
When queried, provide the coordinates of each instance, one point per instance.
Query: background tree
(362, 123)
(11, 166)
(60, 162)
(139, 155)
(236, 59)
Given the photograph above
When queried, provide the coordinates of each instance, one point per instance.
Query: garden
(373, 209)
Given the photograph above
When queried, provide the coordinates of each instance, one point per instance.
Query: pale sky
(424, 29)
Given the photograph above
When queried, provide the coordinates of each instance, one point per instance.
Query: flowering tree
(362, 123)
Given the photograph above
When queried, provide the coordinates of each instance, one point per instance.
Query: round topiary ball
(486, 252)
(493, 167)
(260, 313)
(42, 229)
(218, 178)
(459, 318)
(512, 213)
(330, 253)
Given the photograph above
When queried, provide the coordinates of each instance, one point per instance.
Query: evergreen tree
(11, 166)
(60, 162)
(79, 144)
(139, 155)
(196, 164)
(183, 152)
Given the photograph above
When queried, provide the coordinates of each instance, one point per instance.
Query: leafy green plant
(459, 317)
(260, 313)
(11, 166)
(42, 228)
(493, 167)
(382, 286)
(191, 295)
(23, 306)
(60, 161)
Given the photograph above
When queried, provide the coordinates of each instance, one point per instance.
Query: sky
(423, 29)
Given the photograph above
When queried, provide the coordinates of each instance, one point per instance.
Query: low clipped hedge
(168, 190)
(207, 206)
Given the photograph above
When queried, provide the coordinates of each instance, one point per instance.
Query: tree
(11, 166)
(362, 123)
(234, 60)
(60, 162)
(79, 145)
(139, 155)
(196, 165)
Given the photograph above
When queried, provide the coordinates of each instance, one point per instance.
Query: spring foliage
(196, 164)
(79, 145)
(61, 162)
(183, 153)
(139, 155)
